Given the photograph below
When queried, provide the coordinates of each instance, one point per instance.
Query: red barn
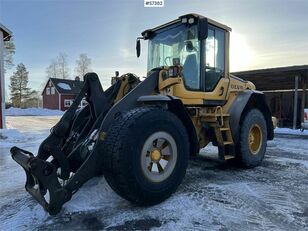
(60, 93)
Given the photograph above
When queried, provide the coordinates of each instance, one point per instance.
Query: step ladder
(226, 149)
(221, 124)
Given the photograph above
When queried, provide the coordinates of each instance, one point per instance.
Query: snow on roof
(67, 86)
(64, 86)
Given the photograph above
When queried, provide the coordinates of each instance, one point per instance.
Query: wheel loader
(140, 134)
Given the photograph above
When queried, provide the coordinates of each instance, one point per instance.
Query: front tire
(146, 155)
(251, 147)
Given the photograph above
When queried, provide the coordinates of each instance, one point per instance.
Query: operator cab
(198, 44)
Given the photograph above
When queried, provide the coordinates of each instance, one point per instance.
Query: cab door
(214, 71)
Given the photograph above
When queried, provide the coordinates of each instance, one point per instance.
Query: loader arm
(69, 170)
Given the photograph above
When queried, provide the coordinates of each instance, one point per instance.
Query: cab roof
(192, 15)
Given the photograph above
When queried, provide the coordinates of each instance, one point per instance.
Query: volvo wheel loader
(140, 134)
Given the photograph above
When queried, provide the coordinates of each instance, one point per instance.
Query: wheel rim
(158, 156)
(255, 139)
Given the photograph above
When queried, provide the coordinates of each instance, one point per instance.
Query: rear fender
(245, 101)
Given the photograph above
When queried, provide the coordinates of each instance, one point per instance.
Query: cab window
(180, 42)
(214, 57)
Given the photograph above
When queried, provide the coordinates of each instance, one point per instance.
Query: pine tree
(18, 86)
(9, 51)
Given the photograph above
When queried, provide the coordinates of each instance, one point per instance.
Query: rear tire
(146, 155)
(251, 147)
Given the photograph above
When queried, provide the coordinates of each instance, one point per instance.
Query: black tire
(123, 147)
(246, 156)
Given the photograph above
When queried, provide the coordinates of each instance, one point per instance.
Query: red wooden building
(60, 93)
(5, 35)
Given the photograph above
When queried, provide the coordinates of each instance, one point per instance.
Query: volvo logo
(237, 87)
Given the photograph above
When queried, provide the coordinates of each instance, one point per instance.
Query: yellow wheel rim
(155, 155)
(255, 139)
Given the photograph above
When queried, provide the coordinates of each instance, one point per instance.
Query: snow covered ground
(213, 196)
(289, 131)
(32, 112)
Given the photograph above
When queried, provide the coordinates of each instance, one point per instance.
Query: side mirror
(138, 48)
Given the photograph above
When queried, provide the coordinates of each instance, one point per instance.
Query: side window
(68, 102)
(52, 90)
(214, 57)
(210, 50)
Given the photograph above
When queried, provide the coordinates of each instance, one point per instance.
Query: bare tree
(52, 70)
(83, 65)
(63, 65)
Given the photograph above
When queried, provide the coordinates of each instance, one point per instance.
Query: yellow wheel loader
(140, 134)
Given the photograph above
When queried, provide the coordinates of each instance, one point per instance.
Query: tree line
(59, 68)
(21, 94)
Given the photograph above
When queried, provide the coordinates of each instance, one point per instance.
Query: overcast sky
(265, 33)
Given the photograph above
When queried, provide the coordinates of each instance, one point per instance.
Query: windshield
(178, 41)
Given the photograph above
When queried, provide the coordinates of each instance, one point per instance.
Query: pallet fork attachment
(76, 151)
(42, 175)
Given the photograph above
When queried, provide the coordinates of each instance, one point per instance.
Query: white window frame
(83, 103)
(48, 91)
(68, 102)
(52, 90)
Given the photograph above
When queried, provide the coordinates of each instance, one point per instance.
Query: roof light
(191, 20)
(184, 20)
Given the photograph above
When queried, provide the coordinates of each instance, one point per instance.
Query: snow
(213, 195)
(32, 112)
(9, 137)
(289, 131)
(64, 86)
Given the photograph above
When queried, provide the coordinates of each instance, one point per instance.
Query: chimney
(77, 78)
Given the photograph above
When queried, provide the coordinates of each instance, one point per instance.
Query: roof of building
(67, 86)
(279, 78)
(6, 33)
